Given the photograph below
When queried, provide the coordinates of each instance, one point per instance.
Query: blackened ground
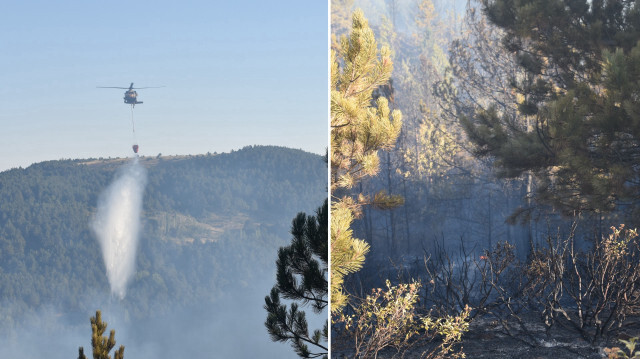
(488, 339)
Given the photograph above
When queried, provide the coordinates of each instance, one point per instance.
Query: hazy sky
(235, 74)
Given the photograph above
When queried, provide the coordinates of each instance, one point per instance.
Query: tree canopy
(302, 278)
(207, 221)
(578, 126)
(101, 344)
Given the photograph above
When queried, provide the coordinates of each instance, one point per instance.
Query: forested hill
(209, 222)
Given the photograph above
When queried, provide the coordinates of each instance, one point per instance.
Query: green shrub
(388, 319)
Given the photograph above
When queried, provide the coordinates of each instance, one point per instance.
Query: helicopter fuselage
(131, 98)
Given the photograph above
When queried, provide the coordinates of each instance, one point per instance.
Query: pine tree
(301, 277)
(580, 61)
(362, 124)
(360, 127)
(101, 344)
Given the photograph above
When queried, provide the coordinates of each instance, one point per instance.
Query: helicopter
(130, 96)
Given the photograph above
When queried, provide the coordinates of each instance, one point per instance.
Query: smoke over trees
(516, 162)
(361, 127)
(202, 265)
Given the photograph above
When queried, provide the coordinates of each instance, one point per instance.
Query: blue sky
(235, 74)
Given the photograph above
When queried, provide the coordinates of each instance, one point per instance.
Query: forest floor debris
(487, 339)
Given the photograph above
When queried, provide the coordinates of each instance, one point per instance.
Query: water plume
(117, 224)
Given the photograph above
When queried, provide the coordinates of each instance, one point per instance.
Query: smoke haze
(209, 230)
(117, 224)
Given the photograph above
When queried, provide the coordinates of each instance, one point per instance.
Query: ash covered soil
(488, 339)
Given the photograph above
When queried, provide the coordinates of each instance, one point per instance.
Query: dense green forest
(209, 223)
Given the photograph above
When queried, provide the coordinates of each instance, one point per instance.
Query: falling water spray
(117, 224)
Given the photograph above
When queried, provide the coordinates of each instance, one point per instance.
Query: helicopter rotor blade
(112, 87)
(151, 87)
